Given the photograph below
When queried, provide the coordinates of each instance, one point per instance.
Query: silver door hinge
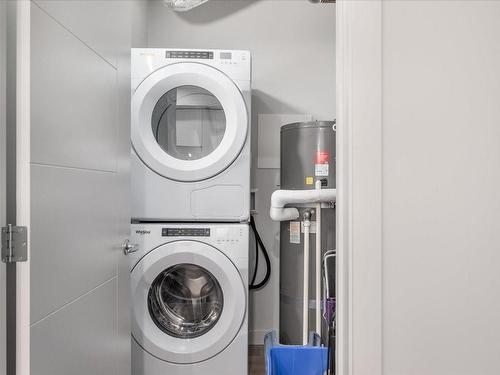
(14, 244)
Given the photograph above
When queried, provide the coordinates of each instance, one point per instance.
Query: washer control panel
(185, 232)
(228, 236)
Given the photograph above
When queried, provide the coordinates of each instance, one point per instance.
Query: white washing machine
(189, 299)
(190, 135)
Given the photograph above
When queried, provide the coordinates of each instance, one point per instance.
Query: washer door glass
(188, 122)
(185, 301)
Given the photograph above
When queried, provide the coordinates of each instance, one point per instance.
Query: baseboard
(256, 337)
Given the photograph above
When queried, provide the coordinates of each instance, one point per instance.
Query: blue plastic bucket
(310, 359)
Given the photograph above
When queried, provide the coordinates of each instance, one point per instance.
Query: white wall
(441, 200)
(427, 73)
(2, 180)
(139, 27)
(293, 53)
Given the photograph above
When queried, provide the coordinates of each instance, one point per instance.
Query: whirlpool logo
(142, 232)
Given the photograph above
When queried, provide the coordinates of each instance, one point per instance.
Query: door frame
(3, 71)
(18, 191)
(359, 185)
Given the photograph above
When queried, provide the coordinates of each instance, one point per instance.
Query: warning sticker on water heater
(321, 170)
(322, 157)
(294, 231)
(321, 166)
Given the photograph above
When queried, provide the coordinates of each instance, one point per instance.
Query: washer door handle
(129, 248)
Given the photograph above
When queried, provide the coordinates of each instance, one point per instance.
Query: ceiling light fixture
(183, 5)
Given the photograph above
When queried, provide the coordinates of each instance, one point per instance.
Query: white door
(189, 121)
(188, 302)
(68, 127)
(419, 133)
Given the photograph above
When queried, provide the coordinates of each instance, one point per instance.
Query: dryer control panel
(185, 232)
(236, 64)
(196, 54)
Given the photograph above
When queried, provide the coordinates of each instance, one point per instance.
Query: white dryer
(189, 299)
(190, 135)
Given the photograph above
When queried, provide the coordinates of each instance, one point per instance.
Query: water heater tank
(307, 155)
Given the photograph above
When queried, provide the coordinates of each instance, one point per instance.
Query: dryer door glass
(188, 122)
(185, 301)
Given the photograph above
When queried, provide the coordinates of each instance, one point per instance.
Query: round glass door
(188, 301)
(185, 301)
(189, 121)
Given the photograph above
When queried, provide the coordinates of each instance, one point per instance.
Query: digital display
(189, 55)
(185, 232)
(225, 55)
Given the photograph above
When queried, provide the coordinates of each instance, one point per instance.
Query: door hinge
(14, 244)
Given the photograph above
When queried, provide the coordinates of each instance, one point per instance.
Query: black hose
(259, 244)
(256, 262)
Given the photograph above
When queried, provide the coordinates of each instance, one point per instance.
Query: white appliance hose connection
(318, 263)
(282, 198)
(279, 212)
(305, 300)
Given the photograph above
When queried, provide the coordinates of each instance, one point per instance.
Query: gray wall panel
(74, 114)
(136, 27)
(88, 327)
(96, 23)
(74, 245)
(80, 198)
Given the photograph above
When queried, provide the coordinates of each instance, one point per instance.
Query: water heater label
(322, 157)
(321, 170)
(294, 231)
(321, 163)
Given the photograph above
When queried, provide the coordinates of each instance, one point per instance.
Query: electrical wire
(259, 244)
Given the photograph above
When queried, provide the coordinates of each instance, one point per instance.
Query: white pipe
(318, 263)
(278, 212)
(281, 198)
(305, 299)
(329, 254)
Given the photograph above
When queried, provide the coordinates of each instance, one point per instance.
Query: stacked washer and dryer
(190, 210)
